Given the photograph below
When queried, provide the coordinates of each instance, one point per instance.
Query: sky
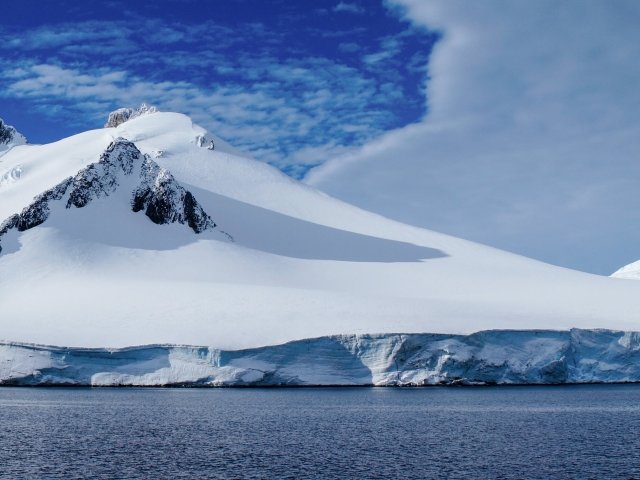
(508, 122)
(531, 142)
(292, 83)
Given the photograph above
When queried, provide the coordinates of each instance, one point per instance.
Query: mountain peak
(9, 137)
(121, 115)
(156, 192)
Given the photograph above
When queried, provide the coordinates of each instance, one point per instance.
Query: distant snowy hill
(631, 271)
(155, 231)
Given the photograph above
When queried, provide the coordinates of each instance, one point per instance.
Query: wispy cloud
(292, 104)
(282, 129)
(58, 36)
(348, 7)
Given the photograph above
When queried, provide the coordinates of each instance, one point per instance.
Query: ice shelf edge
(493, 357)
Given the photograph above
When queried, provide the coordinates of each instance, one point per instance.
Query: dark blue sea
(579, 432)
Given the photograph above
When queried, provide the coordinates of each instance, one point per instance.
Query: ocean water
(576, 432)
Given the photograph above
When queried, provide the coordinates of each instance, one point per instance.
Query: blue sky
(293, 83)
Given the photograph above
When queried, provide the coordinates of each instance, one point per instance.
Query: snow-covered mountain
(155, 231)
(154, 191)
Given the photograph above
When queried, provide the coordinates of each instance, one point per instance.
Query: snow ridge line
(159, 194)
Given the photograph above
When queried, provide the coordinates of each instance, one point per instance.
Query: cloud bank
(532, 140)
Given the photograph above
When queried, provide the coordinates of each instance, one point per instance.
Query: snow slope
(631, 271)
(495, 357)
(301, 264)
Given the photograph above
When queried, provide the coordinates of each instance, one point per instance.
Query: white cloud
(264, 120)
(349, 47)
(532, 138)
(52, 37)
(289, 103)
(348, 7)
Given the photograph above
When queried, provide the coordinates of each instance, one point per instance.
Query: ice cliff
(484, 358)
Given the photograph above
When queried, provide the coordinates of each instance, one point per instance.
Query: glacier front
(491, 357)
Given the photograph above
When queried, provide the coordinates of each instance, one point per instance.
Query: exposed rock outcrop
(100, 179)
(6, 133)
(165, 201)
(38, 212)
(204, 141)
(9, 137)
(118, 117)
(158, 194)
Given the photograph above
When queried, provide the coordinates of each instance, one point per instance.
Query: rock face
(165, 201)
(161, 197)
(38, 212)
(118, 117)
(6, 133)
(485, 358)
(9, 137)
(100, 179)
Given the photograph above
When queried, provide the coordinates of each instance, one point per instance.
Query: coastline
(493, 357)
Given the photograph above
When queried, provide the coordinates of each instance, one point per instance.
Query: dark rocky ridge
(6, 133)
(159, 195)
(165, 201)
(9, 135)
